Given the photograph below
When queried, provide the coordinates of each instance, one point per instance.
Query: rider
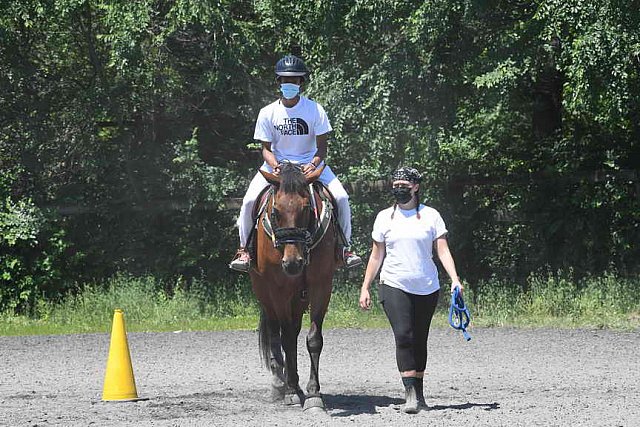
(293, 128)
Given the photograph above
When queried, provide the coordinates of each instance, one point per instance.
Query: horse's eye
(276, 213)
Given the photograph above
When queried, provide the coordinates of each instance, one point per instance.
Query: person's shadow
(468, 405)
(349, 405)
(356, 404)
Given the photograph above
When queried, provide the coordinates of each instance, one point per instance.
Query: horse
(295, 260)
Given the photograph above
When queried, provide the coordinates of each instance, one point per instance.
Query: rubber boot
(420, 392)
(411, 400)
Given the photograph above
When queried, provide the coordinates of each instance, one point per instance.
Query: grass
(543, 301)
(605, 301)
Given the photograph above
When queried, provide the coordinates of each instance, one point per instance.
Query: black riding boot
(411, 400)
(420, 391)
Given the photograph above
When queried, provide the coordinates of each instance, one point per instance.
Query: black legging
(410, 317)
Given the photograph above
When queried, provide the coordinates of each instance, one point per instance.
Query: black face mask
(402, 195)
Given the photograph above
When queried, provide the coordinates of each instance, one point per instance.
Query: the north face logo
(293, 126)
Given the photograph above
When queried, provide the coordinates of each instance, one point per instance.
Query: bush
(32, 256)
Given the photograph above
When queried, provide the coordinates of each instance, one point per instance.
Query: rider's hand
(276, 169)
(308, 168)
(365, 299)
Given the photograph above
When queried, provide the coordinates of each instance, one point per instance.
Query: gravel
(503, 376)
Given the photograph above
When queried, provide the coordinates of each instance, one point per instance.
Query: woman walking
(404, 236)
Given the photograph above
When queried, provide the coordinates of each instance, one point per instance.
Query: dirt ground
(503, 377)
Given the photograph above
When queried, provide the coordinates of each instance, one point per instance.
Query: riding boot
(350, 259)
(411, 400)
(420, 392)
(242, 261)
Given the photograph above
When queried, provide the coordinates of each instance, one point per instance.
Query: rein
(459, 316)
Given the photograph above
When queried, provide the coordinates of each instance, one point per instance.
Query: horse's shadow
(349, 405)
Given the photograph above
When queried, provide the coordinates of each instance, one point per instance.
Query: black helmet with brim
(291, 66)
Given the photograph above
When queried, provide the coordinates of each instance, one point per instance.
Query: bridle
(288, 235)
(309, 237)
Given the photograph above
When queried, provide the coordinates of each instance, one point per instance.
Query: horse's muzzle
(293, 267)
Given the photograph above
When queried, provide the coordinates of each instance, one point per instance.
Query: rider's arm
(321, 141)
(268, 155)
(321, 153)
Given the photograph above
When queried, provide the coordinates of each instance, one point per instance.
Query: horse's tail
(264, 339)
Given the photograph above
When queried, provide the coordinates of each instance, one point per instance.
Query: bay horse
(295, 260)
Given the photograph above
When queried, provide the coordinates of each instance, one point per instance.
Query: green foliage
(147, 304)
(103, 106)
(125, 126)
(33, 256)
(558, 300)
(20, 222)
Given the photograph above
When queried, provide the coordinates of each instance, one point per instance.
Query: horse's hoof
(409, 408)
(314, 405)
(277, 394)
(292, 399)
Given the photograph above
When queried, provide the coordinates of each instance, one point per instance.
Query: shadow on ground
(357, 404)
(349, 405)
(468, 405)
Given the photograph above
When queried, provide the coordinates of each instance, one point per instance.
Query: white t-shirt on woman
(408, 264)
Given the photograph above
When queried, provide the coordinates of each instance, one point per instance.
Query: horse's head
(291, 215)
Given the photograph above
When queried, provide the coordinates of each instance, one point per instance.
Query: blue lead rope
(459, 316)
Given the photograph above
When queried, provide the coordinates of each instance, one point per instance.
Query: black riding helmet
(291, 66)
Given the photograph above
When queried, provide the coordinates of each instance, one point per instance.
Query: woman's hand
(458, 284)
(365, 299)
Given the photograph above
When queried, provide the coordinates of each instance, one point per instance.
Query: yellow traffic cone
(119, 383)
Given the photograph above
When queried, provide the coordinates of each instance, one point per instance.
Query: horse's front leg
(276, 362)
(293, 394)
(314, 347)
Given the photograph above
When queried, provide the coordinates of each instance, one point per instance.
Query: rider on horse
(294, 129)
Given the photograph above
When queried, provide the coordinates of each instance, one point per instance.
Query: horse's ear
(315, 174)
(273, 179)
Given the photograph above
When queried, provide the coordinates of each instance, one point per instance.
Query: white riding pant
(258, 183)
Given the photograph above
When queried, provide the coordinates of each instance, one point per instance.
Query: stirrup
(239, 264)
(350, 259)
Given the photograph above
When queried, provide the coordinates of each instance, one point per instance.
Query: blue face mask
(289, 90)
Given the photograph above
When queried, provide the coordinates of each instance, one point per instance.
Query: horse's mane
(292, 179)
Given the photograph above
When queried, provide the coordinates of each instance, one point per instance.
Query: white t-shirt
(408, 264)
(292, 131)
